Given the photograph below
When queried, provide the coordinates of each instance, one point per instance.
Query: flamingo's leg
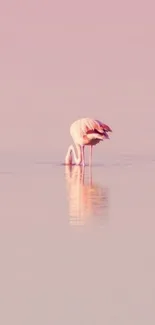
(90, 155)
(83, 156)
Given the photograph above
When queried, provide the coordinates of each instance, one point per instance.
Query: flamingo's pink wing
(104, 126)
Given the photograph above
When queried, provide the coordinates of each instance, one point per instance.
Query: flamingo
(85, 132)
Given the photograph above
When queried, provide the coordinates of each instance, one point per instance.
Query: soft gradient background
(77, 253)
(61, 60)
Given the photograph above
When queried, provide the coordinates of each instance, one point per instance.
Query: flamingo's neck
(77, 157)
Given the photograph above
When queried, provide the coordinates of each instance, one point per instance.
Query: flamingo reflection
(88, 201)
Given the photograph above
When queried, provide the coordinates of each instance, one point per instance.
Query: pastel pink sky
(61, 60)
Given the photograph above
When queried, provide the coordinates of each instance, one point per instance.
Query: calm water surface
(77, 245)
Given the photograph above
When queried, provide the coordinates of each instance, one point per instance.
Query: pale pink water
(72, 253)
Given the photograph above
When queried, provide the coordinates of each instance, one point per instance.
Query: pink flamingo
(85, 132)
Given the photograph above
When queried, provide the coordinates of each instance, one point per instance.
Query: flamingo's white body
(85, 132)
